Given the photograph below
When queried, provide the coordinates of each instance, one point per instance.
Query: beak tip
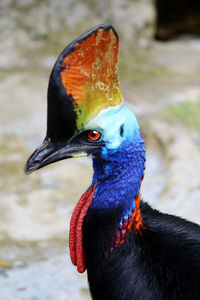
(28, 170)
(31, 166)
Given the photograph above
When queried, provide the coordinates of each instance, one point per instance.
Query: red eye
(93, 135)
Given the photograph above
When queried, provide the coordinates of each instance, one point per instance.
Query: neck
(109, 209)
(115, 207)
(118, 180)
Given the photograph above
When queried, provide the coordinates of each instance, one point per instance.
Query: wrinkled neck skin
(119, 179)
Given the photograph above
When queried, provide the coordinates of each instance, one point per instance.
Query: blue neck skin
(119, 179)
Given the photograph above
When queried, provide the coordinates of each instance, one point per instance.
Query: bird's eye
(93, 135)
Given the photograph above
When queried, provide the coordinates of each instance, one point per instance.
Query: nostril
(35, 161)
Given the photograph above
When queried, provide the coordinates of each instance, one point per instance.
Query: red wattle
(80, 254)
(76, 235)
(73, 224)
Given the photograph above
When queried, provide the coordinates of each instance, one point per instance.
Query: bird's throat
(109, 209)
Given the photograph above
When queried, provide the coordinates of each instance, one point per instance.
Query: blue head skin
(120, 165)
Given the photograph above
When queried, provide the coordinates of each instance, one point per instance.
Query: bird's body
(130, 251)
(160, 263)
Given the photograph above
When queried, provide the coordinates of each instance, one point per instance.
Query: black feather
(162, 263)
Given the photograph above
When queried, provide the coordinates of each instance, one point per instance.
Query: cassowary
(130, 250)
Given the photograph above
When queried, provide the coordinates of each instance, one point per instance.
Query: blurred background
(159, 67)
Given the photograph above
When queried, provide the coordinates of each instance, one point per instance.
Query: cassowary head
(86, 115)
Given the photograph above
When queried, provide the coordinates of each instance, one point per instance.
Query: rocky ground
(163, 88)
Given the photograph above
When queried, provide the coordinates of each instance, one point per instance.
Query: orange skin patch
(91, 75)
(136, 220)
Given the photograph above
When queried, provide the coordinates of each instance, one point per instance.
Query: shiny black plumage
(163, 263)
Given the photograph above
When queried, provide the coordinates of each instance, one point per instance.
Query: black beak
(50, 152)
